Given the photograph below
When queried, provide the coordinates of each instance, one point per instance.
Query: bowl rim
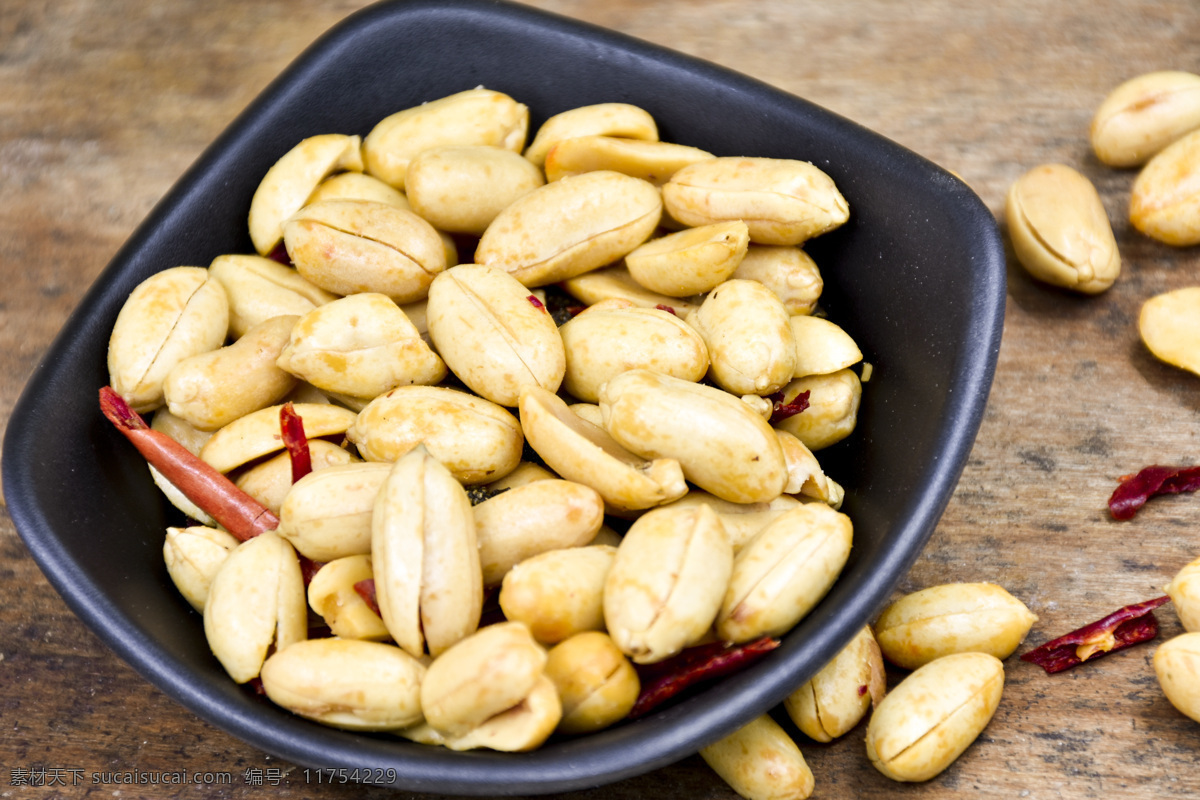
(658, 739)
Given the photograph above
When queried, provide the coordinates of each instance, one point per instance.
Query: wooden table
(104, 105)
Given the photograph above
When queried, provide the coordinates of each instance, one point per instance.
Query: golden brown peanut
(822, 347)
(260, 288)
(346, 683)
(210, 390)
(193, 557)
(193, 440)
(787, 271)
(1184, 591)
(751, 347)
(585, 453)
(760, 762)
(602, 119)
(473, 117)
(289, 182)
(1060, 230)
(255, 602)
(651, 161)
(331, 594)
(1143, 115)
(1177, 665)
(1169, 325)
(615, 282)
(351, 246)
(601, 343)
(362, 345)
(597, 684)
(1165, 200)
(839, 696)
(832, 411)
(721, 444)
(740, 520)
(952, 618)
(568, 227)
(532, 519)
(269, 481)
(357, 186)
(173, 314)
(256, 435)
(559, 593)
(481, 676)
(691, 261)
(783, 572)
(664, 588)
(477, 440)
(425, 556)
(783, 201)
(933, 715)
(491, 335)
(462, 189)
(327, 513)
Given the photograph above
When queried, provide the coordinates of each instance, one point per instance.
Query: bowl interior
(916, 276)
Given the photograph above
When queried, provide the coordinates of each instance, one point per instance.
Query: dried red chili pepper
(281, 255)
(366, 590)
(538, 304)
(669, 309)
(667, 678)
(1135, 490)
(1123, 628)
(292, 427)
(212, 492)
(781, 410)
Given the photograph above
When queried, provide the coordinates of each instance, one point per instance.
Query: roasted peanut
(602, 119)
(741, 520)
(832, 411)
(615, 282)
(650, 161)
(805, 475)
(462, 189)
(194, 556)
(331, 594)
(327, 513)
(787, 271)
(1165, 200)
(357, 186)
(1169, 325)
(1143, 115)
(597, 684)
(1177, 665)
(1184, 591)
(559, 593)
(751, 346)
(269, 481)
(256, 435)
(260, 288)
(522, 727)
(760, 762)
(691, 261)
(834, 700)
(822, 347)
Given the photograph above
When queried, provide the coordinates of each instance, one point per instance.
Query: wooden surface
(104, 104)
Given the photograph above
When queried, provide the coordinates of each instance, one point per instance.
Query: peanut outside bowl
(916, 276)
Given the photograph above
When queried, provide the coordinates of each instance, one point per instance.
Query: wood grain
(105, 104)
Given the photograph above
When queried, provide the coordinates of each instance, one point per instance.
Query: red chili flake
(862, 690)
(781, 410)
(292, 428)
(666, 308)
(538, 304)
(280, 254)
(1135, 490)
(1123, 628)
(366, 590)
(309, 568)
(575, 311)
(665, 679)
(255, 685)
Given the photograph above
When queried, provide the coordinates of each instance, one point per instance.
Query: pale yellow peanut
(193, 440)
(787, 271)
(782, 201)
(327, 513)
(664, 588)
(838, 697)
(362, 345)
(691, 261)
(425, 556)
(525, 472)
(332, 595)
(933, 715)
(615, 282)
(559, 593)
(1143, 115)
(1177, 665)
(759, 761)
(568, 227)
(173, 314)
(1184, 591)
(601, 343)
(589, 412)
(492, 336)
(255, 602)
(751, 346)
(518, 729)
(193, 556)
(585, 453)
(722, 445)
(832, 411)
(602, 119)
(1165, 199)
(269, 481)
(256, 435)
(358, 186)
(211, 390)
(476, 439)
(651, 161)
(346, 683)
(784, 571)
(291, 180)
(462, 189)
(1060, 230)
(472, 117)
(822, 346)
(261, 288)
(1169, 324)
(597, 684)
(538, 517)
(740, 520)
(805, 476)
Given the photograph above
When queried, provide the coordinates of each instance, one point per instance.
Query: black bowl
(916, 276)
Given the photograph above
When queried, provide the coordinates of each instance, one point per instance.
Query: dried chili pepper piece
(1123, 628)
(781, 410)
(538, 304)
(667, 678)
(281, 255)
(291, 425)
(1135, 490)
(668, 309)
(366, 590)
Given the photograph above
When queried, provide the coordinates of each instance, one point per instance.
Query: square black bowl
(916, 276)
